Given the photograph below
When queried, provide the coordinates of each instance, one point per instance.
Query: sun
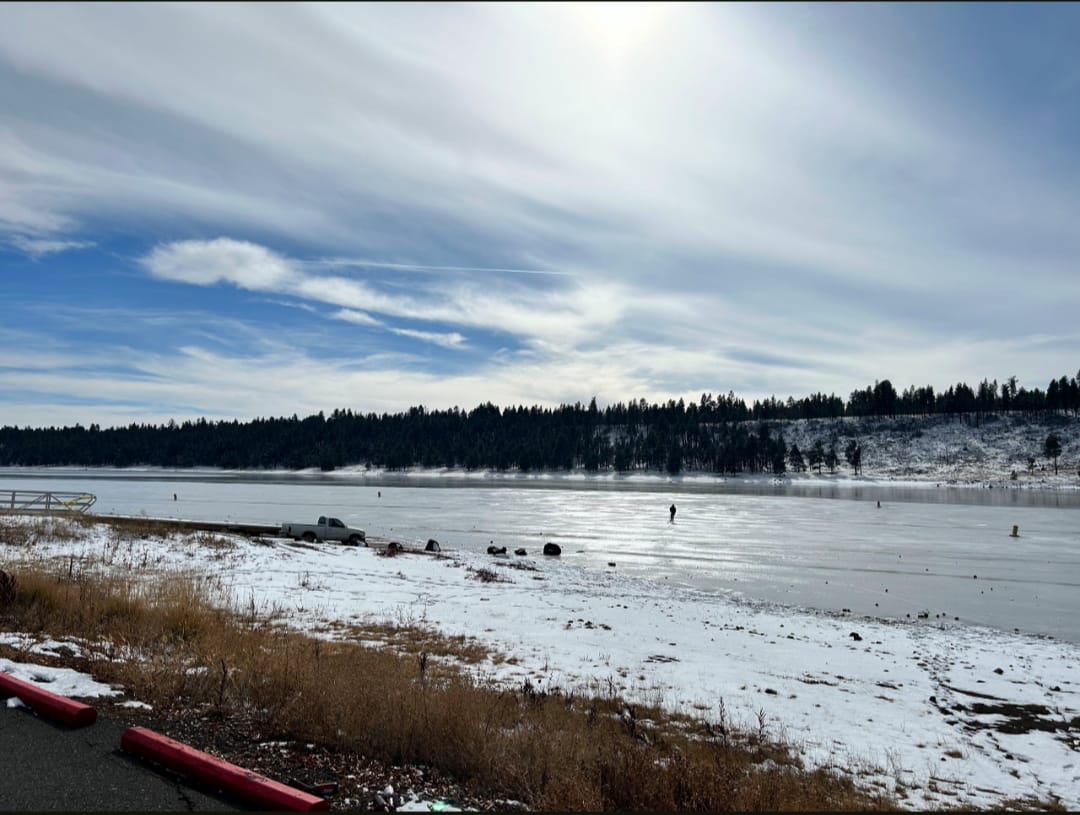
(617, 31)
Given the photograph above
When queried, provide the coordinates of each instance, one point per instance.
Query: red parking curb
(214, 771)
(51, 704)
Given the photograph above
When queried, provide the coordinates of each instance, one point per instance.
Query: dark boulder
(552, 549)
(496, 550)
(520, 552)
(432, 546)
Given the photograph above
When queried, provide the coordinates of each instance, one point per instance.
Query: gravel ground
(239, 740)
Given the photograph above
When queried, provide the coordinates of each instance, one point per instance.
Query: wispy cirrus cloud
(39, 247)
(550, 315)
(630, 199)
(447, 340)
(356, 317)
(362, 263)
(450, 339)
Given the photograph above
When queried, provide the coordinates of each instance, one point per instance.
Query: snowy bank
(942, 715)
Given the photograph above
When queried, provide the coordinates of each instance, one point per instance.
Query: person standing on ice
(672, 510)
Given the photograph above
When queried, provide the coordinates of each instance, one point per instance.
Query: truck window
(336, 522)
(322, 520)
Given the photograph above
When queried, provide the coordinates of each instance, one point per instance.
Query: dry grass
(485, 575)
(414, 638)
(24, 531)
(170, 642)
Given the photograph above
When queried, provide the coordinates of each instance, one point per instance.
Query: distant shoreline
(381, 476)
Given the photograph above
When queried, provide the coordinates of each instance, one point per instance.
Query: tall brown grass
(181, 639)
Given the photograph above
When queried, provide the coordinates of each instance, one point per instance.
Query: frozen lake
(928, 551)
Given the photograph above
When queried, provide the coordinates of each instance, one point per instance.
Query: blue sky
(249, 210)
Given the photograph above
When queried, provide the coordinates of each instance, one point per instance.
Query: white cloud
(564, 315)
(39, 247)
(675, 196)
(363, 263)
(356, 317)
(135, 384)
(720, 131)
(447, 340)
(223, 260)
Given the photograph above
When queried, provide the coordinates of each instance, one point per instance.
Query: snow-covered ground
(937, 449)
(915, 450)
(63, 681)
(949, 714)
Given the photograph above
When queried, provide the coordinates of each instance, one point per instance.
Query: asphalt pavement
(46, 766)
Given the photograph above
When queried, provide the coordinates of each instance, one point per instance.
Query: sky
(239, 211)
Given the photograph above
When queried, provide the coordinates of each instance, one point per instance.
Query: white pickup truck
(327, 529)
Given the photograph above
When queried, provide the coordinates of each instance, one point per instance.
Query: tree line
(720, 434)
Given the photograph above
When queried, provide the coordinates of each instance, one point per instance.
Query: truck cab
(325, 529)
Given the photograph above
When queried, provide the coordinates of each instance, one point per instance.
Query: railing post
(45, 502)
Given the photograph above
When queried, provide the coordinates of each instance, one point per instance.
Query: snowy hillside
(940, 449)
(926, 450)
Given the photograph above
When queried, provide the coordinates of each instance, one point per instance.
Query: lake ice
(946, 553)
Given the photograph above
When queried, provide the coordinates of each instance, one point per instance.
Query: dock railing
(45, 503)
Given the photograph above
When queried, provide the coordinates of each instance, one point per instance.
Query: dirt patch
(240, 740)
(1018, 719)
(1009, 718)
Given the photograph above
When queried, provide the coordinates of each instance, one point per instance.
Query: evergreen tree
(831, 458)
(779, 456)
(1052, 449)
(853, 455)
(715, 432)
(795, 459)
(674, 458)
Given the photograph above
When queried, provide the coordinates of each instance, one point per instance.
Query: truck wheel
(309, 537)
(354, 540)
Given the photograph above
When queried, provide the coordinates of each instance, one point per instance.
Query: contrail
(334, 263)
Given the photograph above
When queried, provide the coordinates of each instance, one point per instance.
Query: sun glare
(617, 30)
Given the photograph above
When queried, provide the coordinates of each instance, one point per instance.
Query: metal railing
(50, 503)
